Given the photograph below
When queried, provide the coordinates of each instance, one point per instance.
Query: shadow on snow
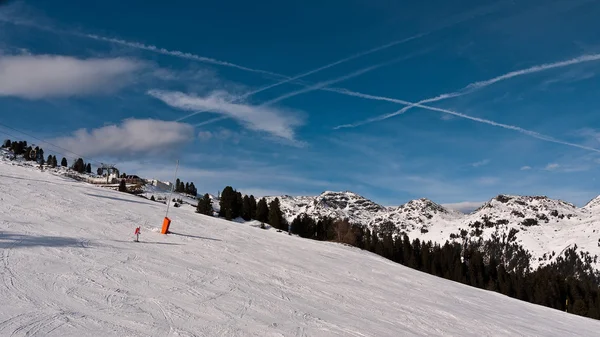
(193, 236)
(115, 198)
(12, 240)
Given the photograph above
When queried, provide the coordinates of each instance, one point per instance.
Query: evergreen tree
(205, 205)
(99, 171)
(18, 148)
(152, 198)
(193, 190)
(49, 160)
(79, 165)
(88, 168)
(7, 143)
(63, 162)
(304, 226)
(246, 210)
(262, 211)
(227, 203)
(39, 155)
(54, 162)
(276, 216)
(122, 186)
(27, 153)
(177, 185)
(252, 202)
(238, 206)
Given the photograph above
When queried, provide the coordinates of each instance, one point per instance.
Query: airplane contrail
(323, 84)
(482, 84)
(458, 114)
(471, 87)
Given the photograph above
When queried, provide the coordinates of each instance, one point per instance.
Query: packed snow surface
(69, 267)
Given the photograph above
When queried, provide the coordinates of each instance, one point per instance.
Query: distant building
(166, 186)
(133, 179)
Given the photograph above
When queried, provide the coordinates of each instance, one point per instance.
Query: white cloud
(481, 163)
(275, 121)
(568, 168)
(205, 135)
(222, 134)
(132, 137)
(525, 168)
(465, 206)
(41, 76)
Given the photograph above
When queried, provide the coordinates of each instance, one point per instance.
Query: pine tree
(7, 143)
(193, 190)
(27, 153)
(49, 160)
(304, 226)
(238, 206)
(79, 165)
(246, 209)
(276, 216)
(63, 162)
(122, 186)
(152, 198)
(262, 211)
(252, 202)
(205, 205)
(39, 155)
(99, 171)
(177, 185)
(88, 168)
(54, 161)
(227, 203)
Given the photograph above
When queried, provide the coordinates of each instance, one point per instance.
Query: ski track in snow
(69, 267)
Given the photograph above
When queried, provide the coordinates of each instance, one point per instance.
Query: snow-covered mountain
(69, 267)
(543, 226)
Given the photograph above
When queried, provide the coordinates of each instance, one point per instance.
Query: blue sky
(300, 98)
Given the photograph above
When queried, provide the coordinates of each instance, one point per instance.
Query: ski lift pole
(167, 221)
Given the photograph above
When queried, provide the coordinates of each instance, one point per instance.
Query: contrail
(481, 84)
(458, 114)
(210, 121)
(309, 88)
(176, 53)
(320, 84)
(323, 84)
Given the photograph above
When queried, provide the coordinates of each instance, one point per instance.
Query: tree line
(233, 205)
(569, 283)
(187, 188)
(30, 153)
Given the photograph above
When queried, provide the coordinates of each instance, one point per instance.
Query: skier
(137, 234)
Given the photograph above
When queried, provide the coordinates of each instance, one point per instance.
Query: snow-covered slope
(544, 225)
(593, 205)
(69, 268)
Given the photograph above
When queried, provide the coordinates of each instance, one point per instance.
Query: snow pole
(167, 221)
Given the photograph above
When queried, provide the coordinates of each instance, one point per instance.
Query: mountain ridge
(541, 225)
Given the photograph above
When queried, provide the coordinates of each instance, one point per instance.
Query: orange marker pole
(167, 221)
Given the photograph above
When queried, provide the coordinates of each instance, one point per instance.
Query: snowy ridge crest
(542, 225)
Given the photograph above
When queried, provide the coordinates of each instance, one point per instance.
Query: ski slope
(69, 267)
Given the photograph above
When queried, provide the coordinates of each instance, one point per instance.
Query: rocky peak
(346, 201)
